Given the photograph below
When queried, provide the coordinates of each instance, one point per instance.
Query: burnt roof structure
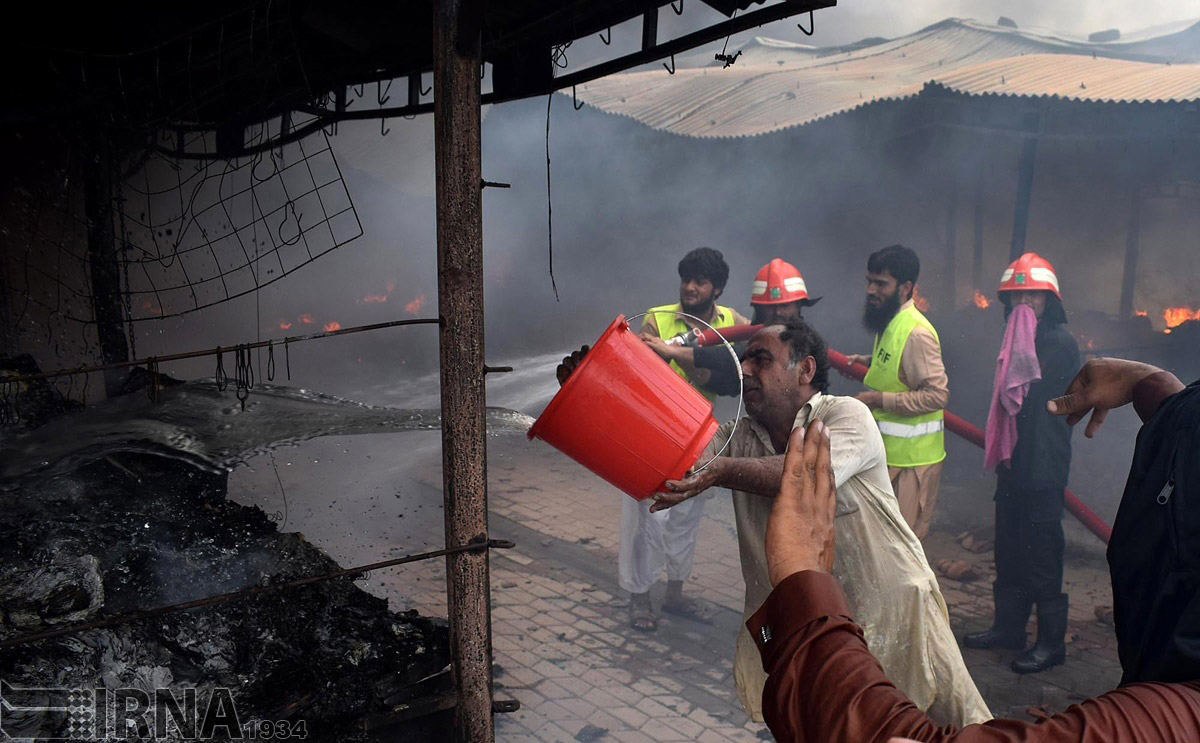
(223, 65)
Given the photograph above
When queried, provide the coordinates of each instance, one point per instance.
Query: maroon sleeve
(1149, 393)
(823, 685)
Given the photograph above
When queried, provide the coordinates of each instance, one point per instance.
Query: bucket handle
(741, 384)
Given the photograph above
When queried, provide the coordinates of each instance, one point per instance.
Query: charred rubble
(133, 532)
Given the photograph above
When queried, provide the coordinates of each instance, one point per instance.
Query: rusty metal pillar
(1024, 186)
(456, 120)
(977, 236)
(1132, 232)
(104, 264)
(950, 271)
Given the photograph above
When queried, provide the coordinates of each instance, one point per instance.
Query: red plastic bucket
(627, 416)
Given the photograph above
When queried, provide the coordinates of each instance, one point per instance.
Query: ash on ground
(134, 531)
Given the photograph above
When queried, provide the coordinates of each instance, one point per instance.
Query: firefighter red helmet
(1030, 272)
(778, 282)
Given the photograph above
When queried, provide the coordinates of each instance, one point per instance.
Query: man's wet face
(697, 295)
(768, 376)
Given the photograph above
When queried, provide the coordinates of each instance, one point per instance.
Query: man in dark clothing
(1154, 553)
(1029, 487)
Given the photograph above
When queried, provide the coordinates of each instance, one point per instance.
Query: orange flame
(921, 302)
(1140, 313)
(306, 318)
(333, 325)
(414, 306)
(284, 325)
(980, 301)
(1179, 315)
(380, 298)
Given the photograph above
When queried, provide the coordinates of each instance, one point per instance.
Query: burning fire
(922, 303)
(1174, 316)
(284, 325)
(380, 298)
(414, 306)
(980, 301)
(1141, 313)
(333, 325)
(306, 318)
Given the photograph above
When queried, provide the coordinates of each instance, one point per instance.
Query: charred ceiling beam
(514, 88)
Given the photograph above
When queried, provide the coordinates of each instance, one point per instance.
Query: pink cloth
(1016, 367)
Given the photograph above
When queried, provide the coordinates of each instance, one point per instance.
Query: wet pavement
(562, 644)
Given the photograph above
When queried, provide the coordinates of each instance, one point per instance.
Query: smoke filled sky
(854, 19)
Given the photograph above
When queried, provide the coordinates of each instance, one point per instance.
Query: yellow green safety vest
(910, 440)
(670, 324)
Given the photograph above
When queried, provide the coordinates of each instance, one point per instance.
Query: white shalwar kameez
(878, 560)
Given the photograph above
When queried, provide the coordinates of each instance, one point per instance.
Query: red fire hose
(956, 425)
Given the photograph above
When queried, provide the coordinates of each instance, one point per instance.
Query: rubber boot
(1008, 627)
(1050, 649)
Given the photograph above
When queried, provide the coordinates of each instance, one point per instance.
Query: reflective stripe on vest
(910, 430)
(670, 324)
(910, 440)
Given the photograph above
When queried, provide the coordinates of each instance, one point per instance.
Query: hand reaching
(800, 529)
(677, 491)
(1101, 385)
(569, 364)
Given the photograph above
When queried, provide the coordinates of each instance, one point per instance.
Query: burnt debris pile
(128, 531)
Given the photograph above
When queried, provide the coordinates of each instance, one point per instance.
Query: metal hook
(427, 91)
(811, 25)
(482, 69)
(574, 100)
(609, 39)
(679, 10)
(358, 91)
(299, 229)
(383, 132)
(381, 94)
(670, 69)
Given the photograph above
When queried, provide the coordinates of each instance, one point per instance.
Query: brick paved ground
(562, 645)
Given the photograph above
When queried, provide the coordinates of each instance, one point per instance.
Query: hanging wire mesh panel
(195, 233)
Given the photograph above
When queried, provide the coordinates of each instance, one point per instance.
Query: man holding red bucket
(650, 542)
(892, 592)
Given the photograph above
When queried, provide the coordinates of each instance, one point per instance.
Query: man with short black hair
(907, 384)
(652, 543)
(880, 562)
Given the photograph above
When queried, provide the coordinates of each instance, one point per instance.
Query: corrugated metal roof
(776, 85)
(1078, 78)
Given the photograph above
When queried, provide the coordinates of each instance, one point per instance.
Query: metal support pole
(1024, 187)
(456, 120)
(951, 269)
(1132, 230)
(977, 258)
(104, 265)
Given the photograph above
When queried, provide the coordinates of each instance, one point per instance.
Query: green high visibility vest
(670, 324)
(910, 440)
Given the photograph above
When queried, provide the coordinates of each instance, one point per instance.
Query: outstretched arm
(1103, 384)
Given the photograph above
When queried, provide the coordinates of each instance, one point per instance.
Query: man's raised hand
(800, 529)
